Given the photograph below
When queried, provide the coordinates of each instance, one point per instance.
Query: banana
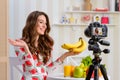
(81, 48)
(69, 46)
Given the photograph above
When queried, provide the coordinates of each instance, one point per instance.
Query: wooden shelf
(94, 12)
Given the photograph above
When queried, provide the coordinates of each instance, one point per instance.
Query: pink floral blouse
(32, 68)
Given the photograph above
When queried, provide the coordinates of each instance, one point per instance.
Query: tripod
(94, 68)
(96, 61)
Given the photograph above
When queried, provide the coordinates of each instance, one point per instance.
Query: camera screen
(97, 31)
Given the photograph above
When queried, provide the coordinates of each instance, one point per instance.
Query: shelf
(58, 24)
(94, 12)
(114, 16)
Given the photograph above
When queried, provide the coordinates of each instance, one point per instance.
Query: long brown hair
(45, 42)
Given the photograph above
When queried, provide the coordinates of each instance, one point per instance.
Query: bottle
(116, 5)
(119, 5)
(87, 5)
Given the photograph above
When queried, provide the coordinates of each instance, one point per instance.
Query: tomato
(99, 73)
(92, 75)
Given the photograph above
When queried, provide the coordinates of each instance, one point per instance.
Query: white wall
(19, 10)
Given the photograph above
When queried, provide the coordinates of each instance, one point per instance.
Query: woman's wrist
(69, 53)
(65, 55)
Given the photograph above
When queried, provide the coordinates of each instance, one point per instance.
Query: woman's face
(41, 25)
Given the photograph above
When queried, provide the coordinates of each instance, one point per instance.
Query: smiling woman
(35, 47)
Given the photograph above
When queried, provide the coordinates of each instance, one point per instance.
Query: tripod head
(94, 45)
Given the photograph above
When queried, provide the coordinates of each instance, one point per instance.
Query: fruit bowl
(60, 76)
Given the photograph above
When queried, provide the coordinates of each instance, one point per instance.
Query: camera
(96, 29)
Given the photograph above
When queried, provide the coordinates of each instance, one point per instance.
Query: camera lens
(87, 32)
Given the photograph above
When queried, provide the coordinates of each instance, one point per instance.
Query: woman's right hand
(17, 42)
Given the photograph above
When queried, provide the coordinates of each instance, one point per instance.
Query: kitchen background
(65, 33)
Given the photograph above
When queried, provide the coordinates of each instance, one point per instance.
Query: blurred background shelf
(95, 12)
(59, 24)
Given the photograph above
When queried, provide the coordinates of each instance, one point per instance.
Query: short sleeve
(24, 57)
(20, 52)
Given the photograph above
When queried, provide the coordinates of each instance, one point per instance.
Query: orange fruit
(72, 70)
(99, 72)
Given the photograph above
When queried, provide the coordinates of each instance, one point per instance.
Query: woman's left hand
(66, 54)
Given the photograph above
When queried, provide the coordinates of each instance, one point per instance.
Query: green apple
(78, 72)
(82, 65)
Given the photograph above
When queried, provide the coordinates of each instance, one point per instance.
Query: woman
(35, 47)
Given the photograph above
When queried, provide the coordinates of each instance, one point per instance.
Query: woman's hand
(17, 42)
(66, 54)
(71, 53)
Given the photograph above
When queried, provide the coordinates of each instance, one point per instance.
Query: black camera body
(96, 29)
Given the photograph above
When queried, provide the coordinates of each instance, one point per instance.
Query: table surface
(60, 76)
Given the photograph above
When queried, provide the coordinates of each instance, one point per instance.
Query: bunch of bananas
(77, 47)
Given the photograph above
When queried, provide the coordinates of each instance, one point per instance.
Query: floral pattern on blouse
(32, 68)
